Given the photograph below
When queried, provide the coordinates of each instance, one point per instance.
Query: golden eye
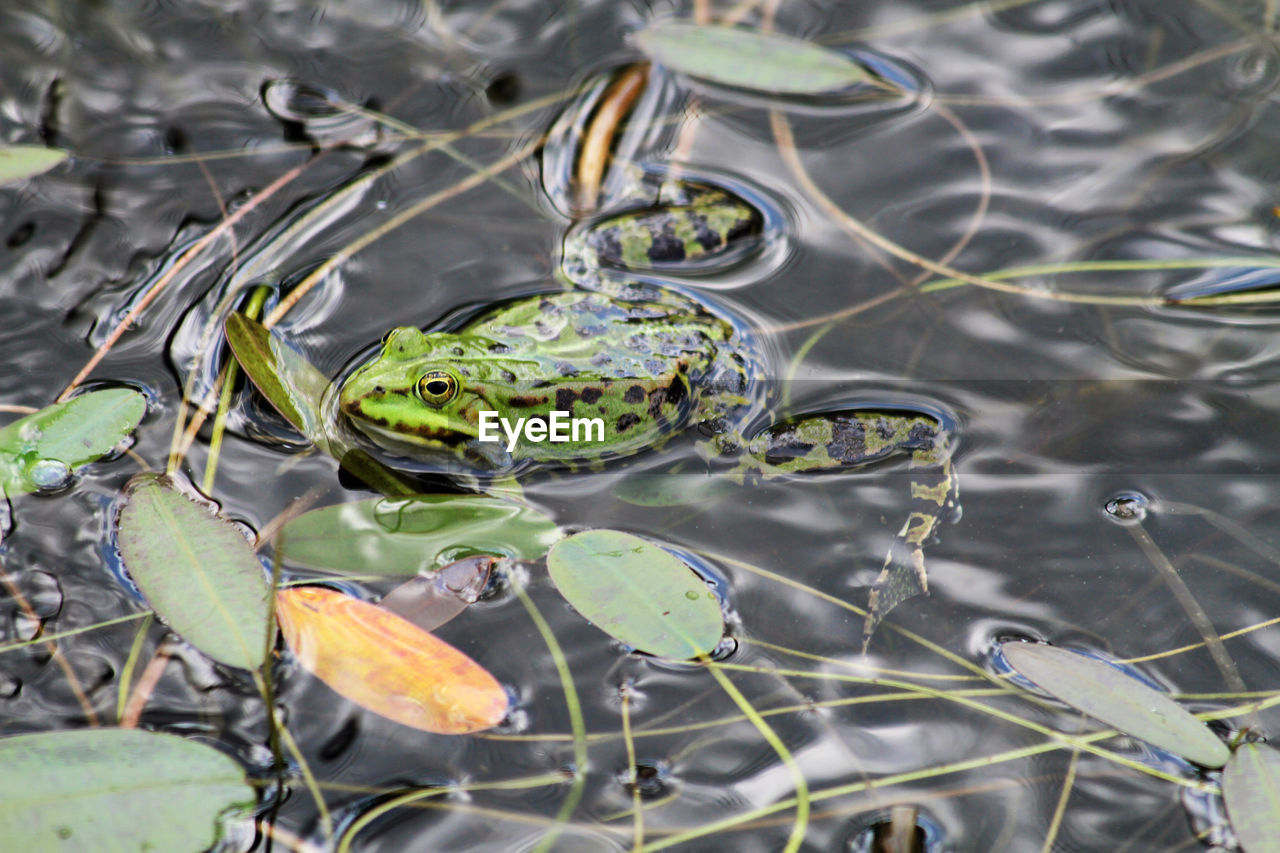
(437, 387)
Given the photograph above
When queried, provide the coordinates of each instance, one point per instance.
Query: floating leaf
(1119, 700)
(430, 602)
(383, 663)
(748, 59)
(109, 790)
(637, 593)
(40, 451)
(18, 162)
(196, 570)
(1251, 788)
(403, 536)
(295, 388)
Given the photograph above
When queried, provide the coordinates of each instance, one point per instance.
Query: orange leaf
(388, 665)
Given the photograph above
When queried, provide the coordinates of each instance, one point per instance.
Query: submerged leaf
(40, 451)
(1251, 789)
(673, 488)
(108, 790)
(1119, 700)
(295, 388)
(403, 536)
(26, 161)
(637, 593)
(376, 659)
(748, 59)
(196, 570)
(430, 602)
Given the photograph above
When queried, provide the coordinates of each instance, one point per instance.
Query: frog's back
(649, 367)
(557, 336)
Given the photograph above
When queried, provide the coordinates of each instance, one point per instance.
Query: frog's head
(421, 397)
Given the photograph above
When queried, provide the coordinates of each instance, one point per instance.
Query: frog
(649, 362)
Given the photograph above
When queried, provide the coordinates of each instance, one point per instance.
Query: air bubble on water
(49, 474)
(1127, 508)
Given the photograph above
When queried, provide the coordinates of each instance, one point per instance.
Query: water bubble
(49, 474)
(651, 779)
(1127, 508)
(1252, 75)
(725, 650)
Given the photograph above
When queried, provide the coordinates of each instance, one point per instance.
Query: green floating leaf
(196, 570)
(40, 451)
(295, 388)
(1119, 700)
(289, 382)
(749, 59)
(1251, 788)
(637, 593)
(109, 790)
(18, 162)
(403, 536)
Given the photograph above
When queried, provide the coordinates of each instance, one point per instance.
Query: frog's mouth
(435, 445)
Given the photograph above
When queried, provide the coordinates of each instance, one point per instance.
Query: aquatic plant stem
(791, 156)
(1203, 625)
(632, 777)
(71, 632)
(368, 817)
(305, 286)
(130, 664)
(1111, 90)
(342, 255)
(142, 691)
(186, 258)
(1051, 835)
(308, 778)
(90, 715)
(576, 722)
(800, 826)
(227, 379)
(284, 837)
(615, 105)
(982, 762)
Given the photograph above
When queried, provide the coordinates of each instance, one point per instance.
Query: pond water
(1124, 150)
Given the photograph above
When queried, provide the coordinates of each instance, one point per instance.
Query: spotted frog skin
(648, 360)
(646, 368)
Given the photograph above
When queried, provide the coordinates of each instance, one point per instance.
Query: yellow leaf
(388, 665)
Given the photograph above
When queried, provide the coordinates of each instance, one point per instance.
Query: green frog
(634, 363)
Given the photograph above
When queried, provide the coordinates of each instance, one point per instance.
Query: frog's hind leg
(835, 441)
(933, 486)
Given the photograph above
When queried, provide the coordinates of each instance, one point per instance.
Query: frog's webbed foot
(836, 441)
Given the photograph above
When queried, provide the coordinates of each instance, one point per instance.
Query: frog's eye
(437, 387)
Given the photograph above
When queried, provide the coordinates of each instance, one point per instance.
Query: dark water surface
(1038, 133)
